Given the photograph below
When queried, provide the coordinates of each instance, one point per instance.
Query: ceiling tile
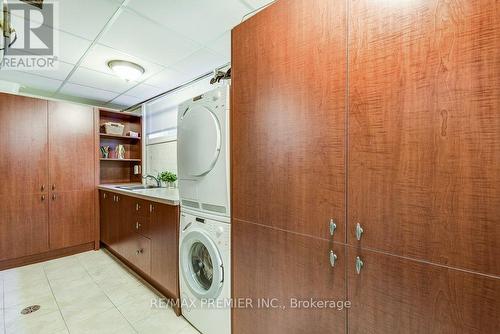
(28, 80)
(201, 21)
(99, 56)
(144, 91)
(199, 63)
(87, 92)
(125, 101)
(136, 35)
(222, 46)
(59, 73)
(82, 20)
(168, 79)
(95, 79)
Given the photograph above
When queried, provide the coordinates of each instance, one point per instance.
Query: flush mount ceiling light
(126, 70)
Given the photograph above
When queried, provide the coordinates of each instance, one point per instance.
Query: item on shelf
(137, 169)
(120, 152)
(133, 134)
(105, 152)
(112, 128)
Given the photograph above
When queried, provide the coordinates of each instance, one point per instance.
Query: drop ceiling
(174, 40)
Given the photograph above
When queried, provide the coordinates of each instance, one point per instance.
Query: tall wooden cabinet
(71, 174)
(24, 164)
(382, 118)
(47, 156)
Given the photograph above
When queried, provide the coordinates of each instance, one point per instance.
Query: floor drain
(30, 309)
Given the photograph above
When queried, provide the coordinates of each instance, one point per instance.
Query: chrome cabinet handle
(333, 226)
(137, 225)
(53, 187)
(117, 198)
(137, 206)
(333, 258)
(43, 197)
(104, 195)
(359, 264)
(42, 188)
(53, 197)
(359, 231)
(151, 207)
(139, 251)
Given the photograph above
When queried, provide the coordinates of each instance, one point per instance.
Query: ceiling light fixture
(126, 70)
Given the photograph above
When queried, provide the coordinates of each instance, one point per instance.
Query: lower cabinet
(286, 282)
(396, 295)
(145, 234)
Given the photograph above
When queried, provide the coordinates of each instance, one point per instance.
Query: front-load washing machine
(203, 152)
(204, 251)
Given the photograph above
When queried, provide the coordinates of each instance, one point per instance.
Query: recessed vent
(191, 204)
(214, 208)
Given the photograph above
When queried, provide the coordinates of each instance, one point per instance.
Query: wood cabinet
(423, 137)
(71, 174)
(286, 268)
(396, 295)
(164, 231)
(47, 155)
(408, 92)
(146, 235)
(288, 117)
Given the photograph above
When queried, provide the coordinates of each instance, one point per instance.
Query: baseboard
(45, 256)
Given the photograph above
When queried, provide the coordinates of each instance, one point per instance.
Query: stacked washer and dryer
(204, 241)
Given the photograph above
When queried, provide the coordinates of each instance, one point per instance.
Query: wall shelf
(124, 160)
(120, 137)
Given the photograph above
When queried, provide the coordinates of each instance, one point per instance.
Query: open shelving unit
(112, 169)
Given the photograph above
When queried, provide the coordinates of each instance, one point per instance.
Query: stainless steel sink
(137, 187)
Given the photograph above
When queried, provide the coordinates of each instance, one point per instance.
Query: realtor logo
(29, 35)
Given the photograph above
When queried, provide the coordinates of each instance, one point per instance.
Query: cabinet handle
(42, 188)
(104, 195)
(333, 226)
(117, 198)
(43, 197)
(151, 207)
(359, 264)
(359, 231)
(53, 187)
(333, 258)
(137, 206)
(137, 225)
(53, 197)
(139, 251)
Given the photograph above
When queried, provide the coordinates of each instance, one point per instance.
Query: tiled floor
(83, 293)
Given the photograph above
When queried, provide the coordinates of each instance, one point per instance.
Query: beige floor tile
(13, 313)
(189, 330)
(138, 307)
(86, 309)
(125, 293)
(161, 322)
(28, 295)
(76, 294)
(23, 282)
(32, 272)
(48, 323)
(107, 322)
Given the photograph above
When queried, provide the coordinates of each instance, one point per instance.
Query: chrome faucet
(158, 183)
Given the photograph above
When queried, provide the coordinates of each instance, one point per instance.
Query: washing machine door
(199, 140)
(201, 265)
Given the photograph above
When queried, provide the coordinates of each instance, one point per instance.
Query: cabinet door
(424, 124)
(284, 268)
(164, 232)
(71, 169)
(106, 201)
(70, 213)
(288, 117)
(396, 295)
(24, 228)
(23, 145)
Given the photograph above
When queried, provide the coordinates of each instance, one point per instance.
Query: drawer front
(140, 253)
(141, 225)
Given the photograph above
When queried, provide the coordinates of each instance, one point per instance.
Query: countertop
(168, 196)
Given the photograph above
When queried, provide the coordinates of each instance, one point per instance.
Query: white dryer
(205, 273)
(203, 152)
